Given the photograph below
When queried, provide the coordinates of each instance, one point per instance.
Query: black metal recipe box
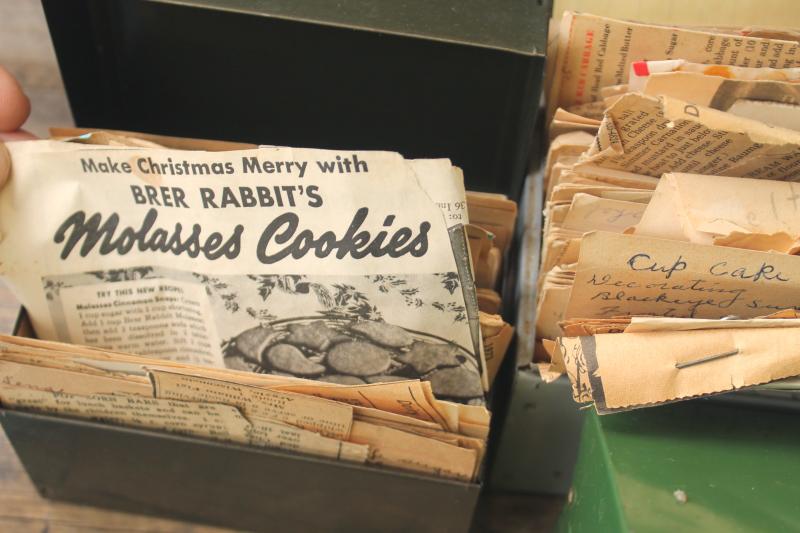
(458, 79)
(233, 486)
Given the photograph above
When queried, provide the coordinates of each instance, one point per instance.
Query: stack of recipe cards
(670, 185)
(332, 273)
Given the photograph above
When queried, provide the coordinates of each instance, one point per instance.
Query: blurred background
(26, 51)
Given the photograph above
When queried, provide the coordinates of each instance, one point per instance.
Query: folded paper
(739, 212)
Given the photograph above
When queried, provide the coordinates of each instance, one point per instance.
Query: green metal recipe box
(457, 79)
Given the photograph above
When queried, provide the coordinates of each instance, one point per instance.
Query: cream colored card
(629, 275)
(656, 135)
(717, 210)
(628, 370)
(595, 52)
(326, 417)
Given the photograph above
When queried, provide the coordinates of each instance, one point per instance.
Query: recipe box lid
(511, 26)
(457, 79)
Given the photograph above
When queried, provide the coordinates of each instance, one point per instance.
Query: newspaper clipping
(344, 267)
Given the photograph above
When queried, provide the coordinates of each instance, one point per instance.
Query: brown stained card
(595, 52)
(769, 95)
(719, 92)
(223, 422)
(476, 416)
(620, 178)
(489, 301)
(565, 122)
(558, 172)
(376, 416)
(272, 434)
(394, 448)
(566, 191)
(589, 212)
(655, 135)
(553, 300)
(485, 257)
(399, 424)
(64, 381)
(578, 327)
(560, 248)
(753, 214)
(119, 365)
(570, 144)
(590, 110)
(329, 418)
(630, 275)
(494, 213)
(630, 370)
(405, 397)
(638, 324)
(496, 341)
(773, 242)
(215, 421)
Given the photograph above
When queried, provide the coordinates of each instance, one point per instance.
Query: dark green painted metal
(431, 79)
(738, 467)
(593, 503)
(457, 79)
(539, 443)
(252, 489)
(511, 25)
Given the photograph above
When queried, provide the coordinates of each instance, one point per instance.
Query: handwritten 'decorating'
(634, 275)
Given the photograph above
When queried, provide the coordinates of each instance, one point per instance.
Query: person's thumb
(14, 110)
(14, 105)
